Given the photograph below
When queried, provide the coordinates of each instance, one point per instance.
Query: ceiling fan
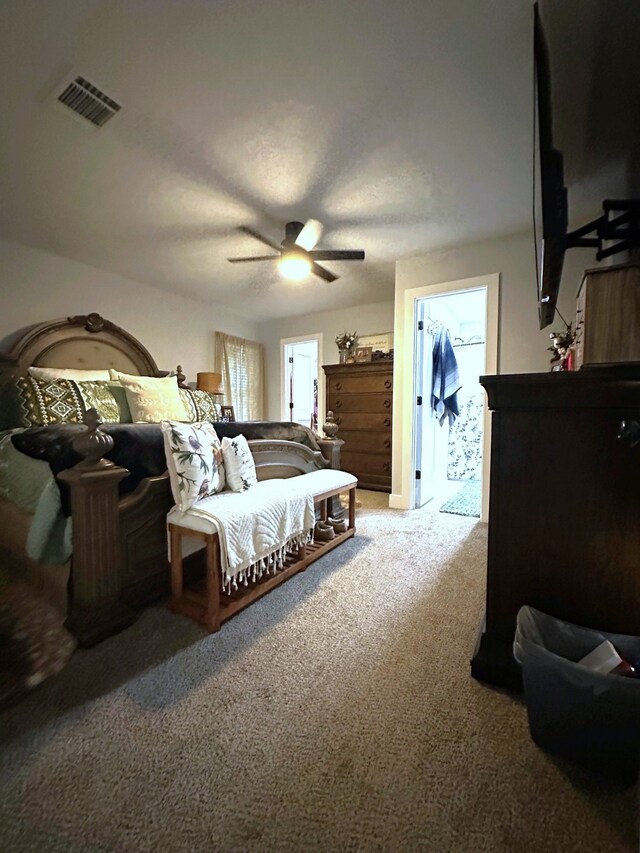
(296, 255)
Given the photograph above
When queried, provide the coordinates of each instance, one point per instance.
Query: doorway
(404, 443)
(449, 424)
(301, 392)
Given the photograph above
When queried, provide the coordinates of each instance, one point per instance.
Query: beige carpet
(337, 714)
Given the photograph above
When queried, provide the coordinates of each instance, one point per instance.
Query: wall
(365, 319)
(37, 286)
(521, 344)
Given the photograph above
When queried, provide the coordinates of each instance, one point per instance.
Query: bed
(84, 506)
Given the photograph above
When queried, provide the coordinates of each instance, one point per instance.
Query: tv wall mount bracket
(619, 225)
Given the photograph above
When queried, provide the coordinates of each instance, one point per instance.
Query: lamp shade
(211, 382)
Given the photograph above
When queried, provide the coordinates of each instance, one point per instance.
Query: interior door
(301, 380)
(423, 420)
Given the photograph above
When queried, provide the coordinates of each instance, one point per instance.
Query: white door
(301, 381)
(424, 433)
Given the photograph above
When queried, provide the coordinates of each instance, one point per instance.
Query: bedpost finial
(330, 427)
(92, 443)
(180, 377)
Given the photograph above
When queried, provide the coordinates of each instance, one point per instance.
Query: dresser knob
(338, 386)
(338, 404)
(386, 466)
(338, 421)
(386, 443)
(629, 432)
(387, 404)
(386, 422)
(388, 383)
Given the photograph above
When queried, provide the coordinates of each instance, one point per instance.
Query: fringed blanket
(258, 527)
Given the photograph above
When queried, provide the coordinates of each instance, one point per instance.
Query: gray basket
(574, 712)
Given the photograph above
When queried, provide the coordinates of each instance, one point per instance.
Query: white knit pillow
(194, 462)
(239, 467)
(69, 373)
(150, 399)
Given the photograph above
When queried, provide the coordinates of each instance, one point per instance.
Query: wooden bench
(208, 602)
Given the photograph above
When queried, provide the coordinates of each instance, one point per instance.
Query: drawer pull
(338, 404)
(386, 443)
(337, 421)
(629, 432)
(387, 404)
(386, 422)
(388, 383)
(338, 386)
(386, 466)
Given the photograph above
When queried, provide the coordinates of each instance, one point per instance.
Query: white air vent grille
(89, 102)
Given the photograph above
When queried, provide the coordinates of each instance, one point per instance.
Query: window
(241, 364)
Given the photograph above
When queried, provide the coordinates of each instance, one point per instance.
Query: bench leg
(176, 565)
(324, 509)
(214, 580)
(352, 507)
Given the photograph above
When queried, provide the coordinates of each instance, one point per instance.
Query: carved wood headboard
(86, 341)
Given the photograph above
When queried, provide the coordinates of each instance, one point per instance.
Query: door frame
(284, 402)
(405, 499)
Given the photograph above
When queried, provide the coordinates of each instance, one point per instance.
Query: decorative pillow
(38, 402)
(194, 462)
(152, 400)
(240, 469)
(68, 373)
(189, 404)
(100, 396)
(200, 405)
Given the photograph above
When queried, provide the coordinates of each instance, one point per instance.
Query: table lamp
(211, 382)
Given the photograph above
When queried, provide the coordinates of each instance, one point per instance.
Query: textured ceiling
(402, 126)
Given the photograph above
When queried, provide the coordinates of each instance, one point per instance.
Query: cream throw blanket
(257, 527)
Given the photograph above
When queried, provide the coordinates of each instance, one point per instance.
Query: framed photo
(363, 354)
(380, 343)
(227, 414)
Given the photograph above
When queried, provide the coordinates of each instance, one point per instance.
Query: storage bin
(574, 712)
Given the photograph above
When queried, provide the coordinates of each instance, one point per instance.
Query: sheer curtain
(241, 364)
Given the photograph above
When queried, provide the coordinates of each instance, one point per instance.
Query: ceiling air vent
(89, 102)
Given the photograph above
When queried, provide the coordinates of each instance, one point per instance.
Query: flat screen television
(550, 209)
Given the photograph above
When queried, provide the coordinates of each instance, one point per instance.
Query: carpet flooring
(336, 714)
(468, 501)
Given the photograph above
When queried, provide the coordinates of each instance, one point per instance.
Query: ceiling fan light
(295, 265)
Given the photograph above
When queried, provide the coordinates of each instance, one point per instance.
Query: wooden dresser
(361, 398)
(564, 531)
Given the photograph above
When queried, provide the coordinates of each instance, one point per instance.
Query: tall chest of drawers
(361, 398)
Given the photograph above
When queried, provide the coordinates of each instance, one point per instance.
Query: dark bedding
(138, 447)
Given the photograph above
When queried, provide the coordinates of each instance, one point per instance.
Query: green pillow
(27, 401)
(109, 399)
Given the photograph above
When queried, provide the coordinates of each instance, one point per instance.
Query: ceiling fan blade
(316, 269)
(337, 255)
(310, 234)
(256, 258)
(251, 233)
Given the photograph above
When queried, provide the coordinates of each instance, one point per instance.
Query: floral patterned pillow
(240, 469)
(194, 462)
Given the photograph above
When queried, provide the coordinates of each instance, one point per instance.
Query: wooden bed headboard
(86, 341)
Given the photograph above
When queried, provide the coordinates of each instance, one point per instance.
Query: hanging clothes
(446, 377)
